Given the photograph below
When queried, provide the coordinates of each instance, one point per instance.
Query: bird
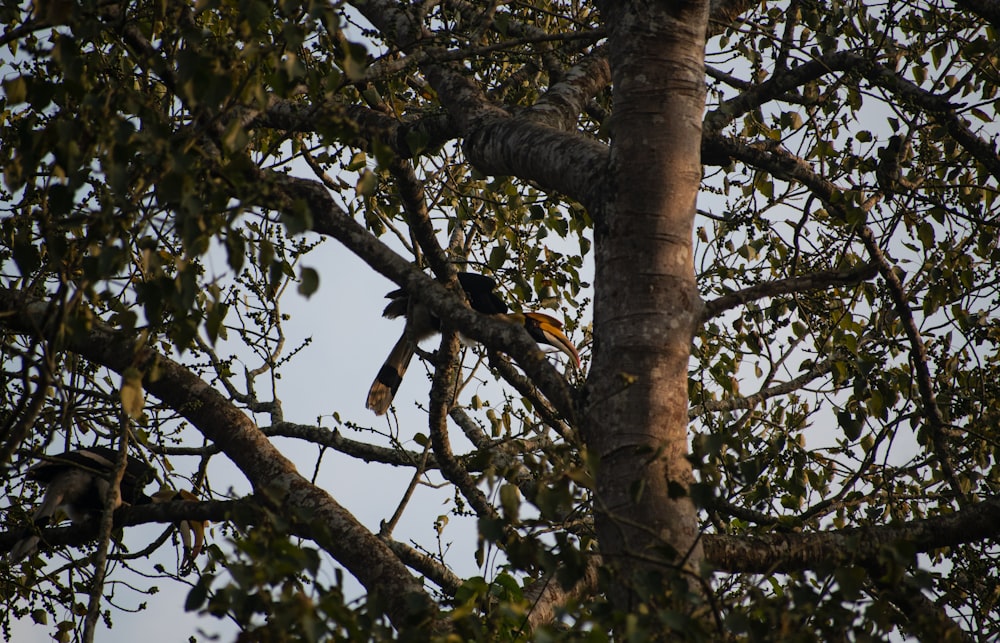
(78, 482)
(192, 532)
(421, 324)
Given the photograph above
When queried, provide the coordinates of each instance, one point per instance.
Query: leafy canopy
(171, 169)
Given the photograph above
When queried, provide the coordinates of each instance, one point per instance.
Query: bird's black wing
(100, 461)
(480, 291)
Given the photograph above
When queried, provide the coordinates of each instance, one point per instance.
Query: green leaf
(214, 321)
(15, 90)
(308, 282)
(367, 183)
(132, 394)
(498, 256)
(198, 594)
(358, 161)
(355, 60)
(850, 424)
(926, 235)
(510, 500)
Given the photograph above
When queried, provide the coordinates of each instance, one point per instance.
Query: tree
(787, 423)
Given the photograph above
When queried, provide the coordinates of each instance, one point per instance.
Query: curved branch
(441, 398)
(329, 219)
(344, 537)
(988, 10)
(919, 359)
(799, 284)
(497, 143)
(560, 107)
(905, 92)
(787, 552)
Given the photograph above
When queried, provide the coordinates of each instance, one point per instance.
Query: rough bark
(360, 551)
(646, 305)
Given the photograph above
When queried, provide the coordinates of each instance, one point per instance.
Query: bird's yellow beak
(192, 532)
(548, 330)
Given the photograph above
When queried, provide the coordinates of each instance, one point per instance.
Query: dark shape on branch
(421, 324)
(891, 159)
(78, 482)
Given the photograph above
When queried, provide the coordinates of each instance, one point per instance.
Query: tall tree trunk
(646, 304)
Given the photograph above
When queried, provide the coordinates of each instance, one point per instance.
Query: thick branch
(905, 93)
(560, 107)
(799, 284)
(988, 10)
(213, 510)
(330, 220)
(291, 116)
(787, 552)
(210, 412)
(497, 143)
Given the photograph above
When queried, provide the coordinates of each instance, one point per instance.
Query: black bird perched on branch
(421, 324)
(78, 481)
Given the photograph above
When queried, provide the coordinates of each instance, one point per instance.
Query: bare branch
(750, 401)
(411, 193)
(798, 284)
(441, 399)
(919, 359)
(560, 107)
(431, 569)
(496, 143)
(789, 552)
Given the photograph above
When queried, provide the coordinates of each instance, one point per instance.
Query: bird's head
(192, 532)
(546, 329)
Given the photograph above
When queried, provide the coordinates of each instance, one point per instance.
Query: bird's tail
(25, 547)
(22, 549)
(390, 375)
